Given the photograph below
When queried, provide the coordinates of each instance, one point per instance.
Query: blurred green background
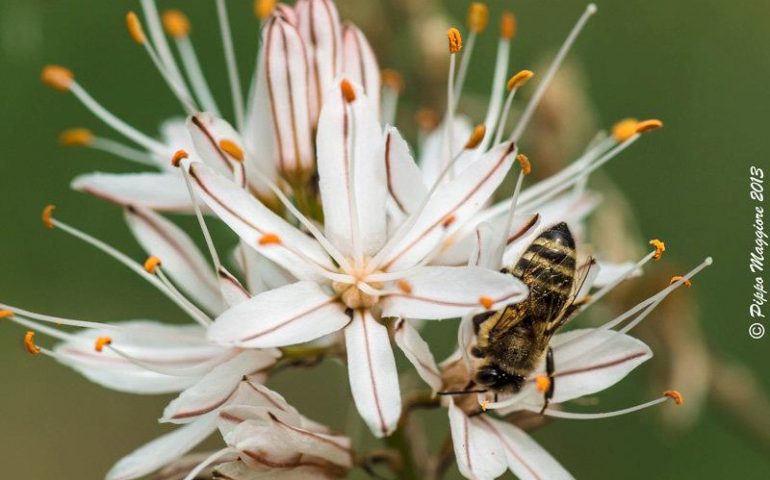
(700, 65)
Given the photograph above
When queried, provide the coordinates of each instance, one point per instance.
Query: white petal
(432, 153)
(591, 363)
(405, 184)
(157, 191)
(339, 125)
(289, 315)
(360, 64)
(232, 290)
(179, 255)
(372, 372)
(417, 351)
(526, 459)
(163, 450)
(479, 454)
(609, 272)
(215, 388)
(451, 206)
(286, 81)
(251, 221)
(447, 292)
(261, 274)
(238, 470)
(181, 347)
(174, 133)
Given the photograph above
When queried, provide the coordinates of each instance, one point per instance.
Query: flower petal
(447, 292)
(163, 450)
(208, 132)
(453, 204)
(289, 315)
(260, 273)
(252, 221)
(432, 153)
(372, 372)
(342, 123)
(417, 351)
(405, 185)
(180, 258)
(157, 191)
(479, 454)
(360, 64)
(232, 290)
(526, 459)
(238, 470)
(610, 271)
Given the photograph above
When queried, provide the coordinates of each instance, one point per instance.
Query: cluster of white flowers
(346, 243)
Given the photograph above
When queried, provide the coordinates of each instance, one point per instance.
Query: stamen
(135, 28)
(659, 246)
(625, 129)
(201, 316)
(5, 313)
(486, 302)
(160, 43)
(476, 137)
(232, 69)
(677, 397)
(595, 416)
(455, 45)
(392, 79)
(76, 137)
(264, 8)
(526, 166)
(676, 278)
(540, 91)
(46, 216)
(29, 343)
(232, 149)
(508, 25)
(497, 90)
(179, 155)
(12, 311)
(624, 276)
(648, 125)
(176, 24)
(526, 169)
(270, 239)
(393, 86)
(426, 119)
(57, 77)
(448, 220)
(102, 342)
(151, 264)
(347, 91)
(402, 285)
(484, 404)
(543, 383)
(478, 17)
(455, 40)
(517, 80)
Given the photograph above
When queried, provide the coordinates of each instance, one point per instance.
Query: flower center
(359, 294)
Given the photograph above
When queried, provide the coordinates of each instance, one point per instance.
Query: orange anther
(151, 264)
(102, 342)
(47, 216)
(484, 404)
(76, 137)
(625, 129)
(486, 302)
(448, 220)
(659, 246)
(29, 343)
(508, 25)
(179, 155)
(455, 40)
(426, 118)
(135, 28)
(57, 77)
(404, 286)
(526, 166)
(231, 148)
(392, 79)
(348, 93)
(264, 8)
(519, 79)
(674, 395)
(543, 383)
(676, 278)
(5, 313)
(269, 239)
(176, 23)
(478, 17)
(476, 137)
(648, 125)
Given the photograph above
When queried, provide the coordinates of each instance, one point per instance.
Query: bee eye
(488, 376)
(476, 352)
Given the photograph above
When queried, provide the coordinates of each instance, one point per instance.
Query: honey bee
(511, 342)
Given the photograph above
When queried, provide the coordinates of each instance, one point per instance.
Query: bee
(511, 342)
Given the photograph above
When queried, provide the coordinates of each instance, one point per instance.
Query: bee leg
(549, 369)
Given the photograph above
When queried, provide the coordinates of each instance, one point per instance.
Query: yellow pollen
(426, 118)
(270, 239)
(676, 278)
(151, 264)
(478, 17)
(476, 137)
(519, 79)
(484, 404)
(455, 40)
(347, 91)
(659, 246)
(648, 125)
(5, 313)
(449, 220)
(57, 77)
(29, 343)
(135, 28)
(675, 395)
(76, 137)
(404, 286)
(102, 342)
(231, 148)
(486, 302)
(176, 23)
(526, 166)
(625, 129)
(179, 155)
(543, 383)
(508, 25)
(393, 79)
(47, 216)
(264, 8)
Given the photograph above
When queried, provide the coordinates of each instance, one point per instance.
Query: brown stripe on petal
(291, 320)
(506, 443)
(389, 174)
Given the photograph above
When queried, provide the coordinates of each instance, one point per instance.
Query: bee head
(494, 378)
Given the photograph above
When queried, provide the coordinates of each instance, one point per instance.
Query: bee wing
(584, 277)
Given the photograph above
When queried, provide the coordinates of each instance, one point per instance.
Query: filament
(232, 69)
